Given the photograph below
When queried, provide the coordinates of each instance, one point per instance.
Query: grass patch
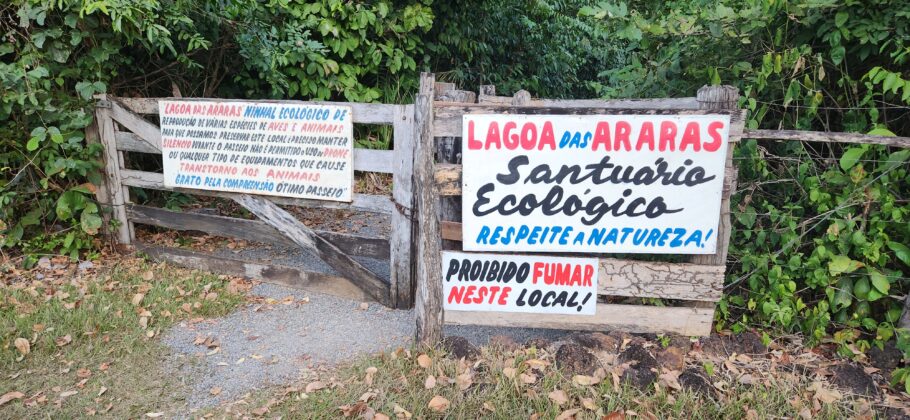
(521, 384)
(92, 337)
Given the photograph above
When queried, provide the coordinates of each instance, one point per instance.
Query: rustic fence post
(429, 270)
(402, 248)
(112, 165)
(720, 98)
(448, 150)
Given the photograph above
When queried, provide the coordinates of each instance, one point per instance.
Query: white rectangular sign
(593, 183)
(519, 283)
(285, 149)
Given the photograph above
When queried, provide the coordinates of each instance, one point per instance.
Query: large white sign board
(593, 183)
(518, 283)
(284, 149)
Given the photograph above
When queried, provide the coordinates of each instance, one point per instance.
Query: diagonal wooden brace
(306, 238)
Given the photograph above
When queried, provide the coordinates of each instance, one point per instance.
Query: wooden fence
(425, 211)
(122, 126)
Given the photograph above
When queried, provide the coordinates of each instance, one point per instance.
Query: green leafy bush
(820, 231)
(55, 55)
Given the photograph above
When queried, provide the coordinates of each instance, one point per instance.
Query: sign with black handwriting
(593, 183)
(272, 148)
(519, 283)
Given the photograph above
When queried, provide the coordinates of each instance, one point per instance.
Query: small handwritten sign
(593, 183)
(283, 149)
(515, 283)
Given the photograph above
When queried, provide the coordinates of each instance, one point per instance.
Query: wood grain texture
(268, 273)
(361, 202)
(632, 318)
(428, 304)
(250, 230)
(102, 192)
(303, 236)
(448, 117)
(660, 280)
(112, 168)
(363, 113)
(401, 239)
(448, 150)
(827, 137)
(131, 142)
(135, 123)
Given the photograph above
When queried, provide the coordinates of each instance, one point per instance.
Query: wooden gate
(690, 289)
(128, 125)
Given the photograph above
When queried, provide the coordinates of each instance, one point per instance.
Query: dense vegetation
(821, 232)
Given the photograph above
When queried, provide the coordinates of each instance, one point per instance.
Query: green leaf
(901, 251)
(880, 282)
(874, 295)
(881, 132)
(90, 222)
(841, 264)
(841, 18)
(837, 54)
(850, 157)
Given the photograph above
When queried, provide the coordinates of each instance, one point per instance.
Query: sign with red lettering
(287, 149)
(593, 183)
(517, 283)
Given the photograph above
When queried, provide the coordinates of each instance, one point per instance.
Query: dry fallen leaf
(83, 373)
(9, 396)
(568, 414)
(314, 386)
(527, 378)
(589, 404)
(64, 340)
(464, 381)
(23, 346)
(368, 379)
(615, 415)
(137, 298)
(215, 391)
(558, 396)
(825, 394)
(424, 361)
(65, 394)
(148, 276)
(400, 412)
(380, 416)
(509, 372)
(438, 404)
(584, 380)
(430, 382)
(489, 407)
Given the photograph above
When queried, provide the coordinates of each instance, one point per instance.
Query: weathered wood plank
(135, 123)
(112, 168)
(361, 202)
(363, 113)
(373, 160)
(250, 230)
(448, 119)
(656, 103)
(131, 142)
(401, 242)
(827, 137)
(632, 318)
(303, 236)
(712, 99)
(428, 306)
(448, 150)
(660, 280)
(268, 273)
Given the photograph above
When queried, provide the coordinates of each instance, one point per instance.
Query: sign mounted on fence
(516, 283)
(284, 149)
(593, 183)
